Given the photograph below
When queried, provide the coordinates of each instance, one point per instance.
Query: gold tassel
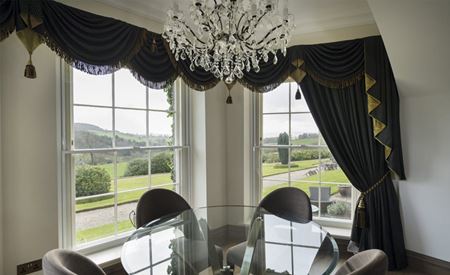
(361, 213)
(229, 98)
(30, 70)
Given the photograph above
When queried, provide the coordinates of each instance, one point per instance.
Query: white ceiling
(310, 15)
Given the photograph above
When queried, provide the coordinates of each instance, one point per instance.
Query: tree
(283, 153)
(91, 180)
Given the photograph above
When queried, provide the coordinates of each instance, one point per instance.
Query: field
(326, 176)
(124, 184)
(270, 169)
(164, 180)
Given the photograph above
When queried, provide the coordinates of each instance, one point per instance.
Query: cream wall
(28, 126)
(416, 35)
(1, 185)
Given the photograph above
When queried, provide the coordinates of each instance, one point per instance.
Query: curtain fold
(383, 102)
(89, 42)
(341, 116)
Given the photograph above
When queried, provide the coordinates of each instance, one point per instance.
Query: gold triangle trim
(370, 81)
(297, 75)
(372, 103)
(297, 63)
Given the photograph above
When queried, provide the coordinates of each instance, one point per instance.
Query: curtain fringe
(91, 68)
(335, 84)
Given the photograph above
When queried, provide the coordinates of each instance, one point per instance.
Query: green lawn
(126, 184)
(106, 230)
(121, 167)
(327, 176)
(269, 169)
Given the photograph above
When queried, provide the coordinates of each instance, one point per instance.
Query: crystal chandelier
(226, 37)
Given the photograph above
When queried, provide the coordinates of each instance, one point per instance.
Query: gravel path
(277, 179)
(99, 217)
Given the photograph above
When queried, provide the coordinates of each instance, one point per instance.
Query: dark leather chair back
(157, 203)
(369, 262)
(66, 262)
(288, 203)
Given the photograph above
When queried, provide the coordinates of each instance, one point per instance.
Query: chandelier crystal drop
(228, 37)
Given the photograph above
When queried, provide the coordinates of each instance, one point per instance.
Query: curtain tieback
(361, 213)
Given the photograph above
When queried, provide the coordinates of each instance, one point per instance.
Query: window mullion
(290, 138)
(147, 127)
(113, 100)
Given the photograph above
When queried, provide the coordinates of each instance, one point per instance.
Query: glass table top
(197, 241)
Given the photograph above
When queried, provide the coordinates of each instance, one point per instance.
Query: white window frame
(66, 188)
(257, 146)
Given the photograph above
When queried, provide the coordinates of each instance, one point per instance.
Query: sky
(277, 101)
(97, 90)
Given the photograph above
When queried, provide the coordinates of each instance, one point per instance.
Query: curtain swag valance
(101, 45)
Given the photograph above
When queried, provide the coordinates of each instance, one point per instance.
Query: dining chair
(67, 262)
(156, 203)
(369, 262)
(289, 203)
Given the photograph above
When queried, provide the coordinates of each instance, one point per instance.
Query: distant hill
(92, 136)
(86, 127)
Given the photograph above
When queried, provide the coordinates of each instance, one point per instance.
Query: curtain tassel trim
(361, 220)
(30, 70)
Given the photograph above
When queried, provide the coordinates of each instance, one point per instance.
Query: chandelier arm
(239, 22)
(269, 33)
(215, 12)
(260, 18)
(193, 33)
(256, 24)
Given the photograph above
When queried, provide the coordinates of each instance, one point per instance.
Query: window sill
(339, 232)
(106, 257)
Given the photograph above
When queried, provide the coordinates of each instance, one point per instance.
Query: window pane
(160, 128)
(92, 89)
(304, 162)
(131, 126)
(94, 193)
(163, 169)
(133, 181)
(304, 130)
(298, 105)
(273, 126)
(159, 100)
(341, 202)
(92, 127)
(277, 100)
(274, 174)
(128, 91)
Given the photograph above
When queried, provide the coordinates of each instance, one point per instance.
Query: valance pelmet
(152, 66)
(91, 43)
(100, 45)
